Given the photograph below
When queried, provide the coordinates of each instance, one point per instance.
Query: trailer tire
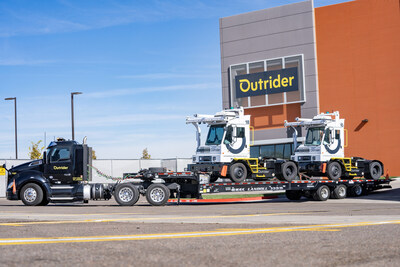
(238, 172)
(288, 171)
(157, 194)
(356, 190)
(339, 192)
(126, 194)
(31, 194)
(374, 170)
(334, 170)
(322, 193)
(293, 194)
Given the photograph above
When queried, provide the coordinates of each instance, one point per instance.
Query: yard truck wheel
(31, 194)
(334, 170)
(293, 194)
(238, 172)
(288, 171)
(339, 192)
(374, 170)
(157, 194)
(126, 194)
(322, 193)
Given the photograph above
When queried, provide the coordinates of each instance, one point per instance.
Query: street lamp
(15, 114)
(72, 112)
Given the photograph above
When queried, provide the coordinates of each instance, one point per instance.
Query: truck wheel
(322, 193)
(126, 194)
(293, 194)
(339, 192)
(334, 170)
(374, 171)
(238, 172)
(157, 194)
(213, 177)
(44, 202)
(356, 190)
(289, 171)
(31, 194)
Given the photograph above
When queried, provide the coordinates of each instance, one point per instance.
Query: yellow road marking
(147, 219)
(82, 239)
(4, 214)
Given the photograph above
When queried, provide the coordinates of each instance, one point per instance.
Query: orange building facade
(358, 51)
(346, 57)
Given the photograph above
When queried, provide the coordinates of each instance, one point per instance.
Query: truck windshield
(314, 136)
(215, 135)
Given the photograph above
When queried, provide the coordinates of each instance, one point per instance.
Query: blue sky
(143, 66)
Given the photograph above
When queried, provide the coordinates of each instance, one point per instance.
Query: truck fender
(32, 176)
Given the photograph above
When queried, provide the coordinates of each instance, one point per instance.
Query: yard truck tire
(334, 170)
(238, 172)
(374, 171)
(288, 171)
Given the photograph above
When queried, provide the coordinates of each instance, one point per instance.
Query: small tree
(145, 154)
(94, 154)
(35, 152)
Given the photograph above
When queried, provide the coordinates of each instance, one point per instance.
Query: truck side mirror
(44, 157)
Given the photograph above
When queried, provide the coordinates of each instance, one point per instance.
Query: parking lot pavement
(354, 231)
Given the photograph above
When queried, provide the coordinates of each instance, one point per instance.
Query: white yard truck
(226, 152)
(322, 153)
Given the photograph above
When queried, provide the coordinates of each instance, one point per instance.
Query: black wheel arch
(32, 177)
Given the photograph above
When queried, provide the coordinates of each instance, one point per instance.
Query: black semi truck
(65, 174)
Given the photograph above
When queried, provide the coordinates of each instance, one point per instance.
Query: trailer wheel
(334, 170)
(289, 171)
(126, 194)
(374, 171)
(157, 194)
(339, 192)
(238, 172)
(293, 194)
(356, 190)
(31, 194)
(322, 193)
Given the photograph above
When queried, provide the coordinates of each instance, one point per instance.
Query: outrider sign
(268, 82)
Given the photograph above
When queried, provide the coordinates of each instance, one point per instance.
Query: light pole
(72, 112)
(15, 114)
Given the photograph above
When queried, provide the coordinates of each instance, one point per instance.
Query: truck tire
(44, 202)
(238, 172)
(293, 194)
(339, 192)
(31, 194)
(288, 171)
(157, 194)
(334, 170)
(322, 193)
(374, 170)
(356, 190)
(126, 194)
(213, 177)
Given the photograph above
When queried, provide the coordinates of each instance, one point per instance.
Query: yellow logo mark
(60, 168)
(241, 85)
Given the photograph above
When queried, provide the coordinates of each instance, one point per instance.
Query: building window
(270, 99)
(283, 151)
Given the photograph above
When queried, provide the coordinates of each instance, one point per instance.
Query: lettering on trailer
(268, 82)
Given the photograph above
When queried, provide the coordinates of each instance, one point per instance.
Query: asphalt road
(362, 231)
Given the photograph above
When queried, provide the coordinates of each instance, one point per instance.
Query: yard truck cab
(226, 151)
(322, 153)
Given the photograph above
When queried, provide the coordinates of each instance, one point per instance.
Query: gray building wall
(113, 167)
(271, 33)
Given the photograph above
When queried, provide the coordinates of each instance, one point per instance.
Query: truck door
(59, 164)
